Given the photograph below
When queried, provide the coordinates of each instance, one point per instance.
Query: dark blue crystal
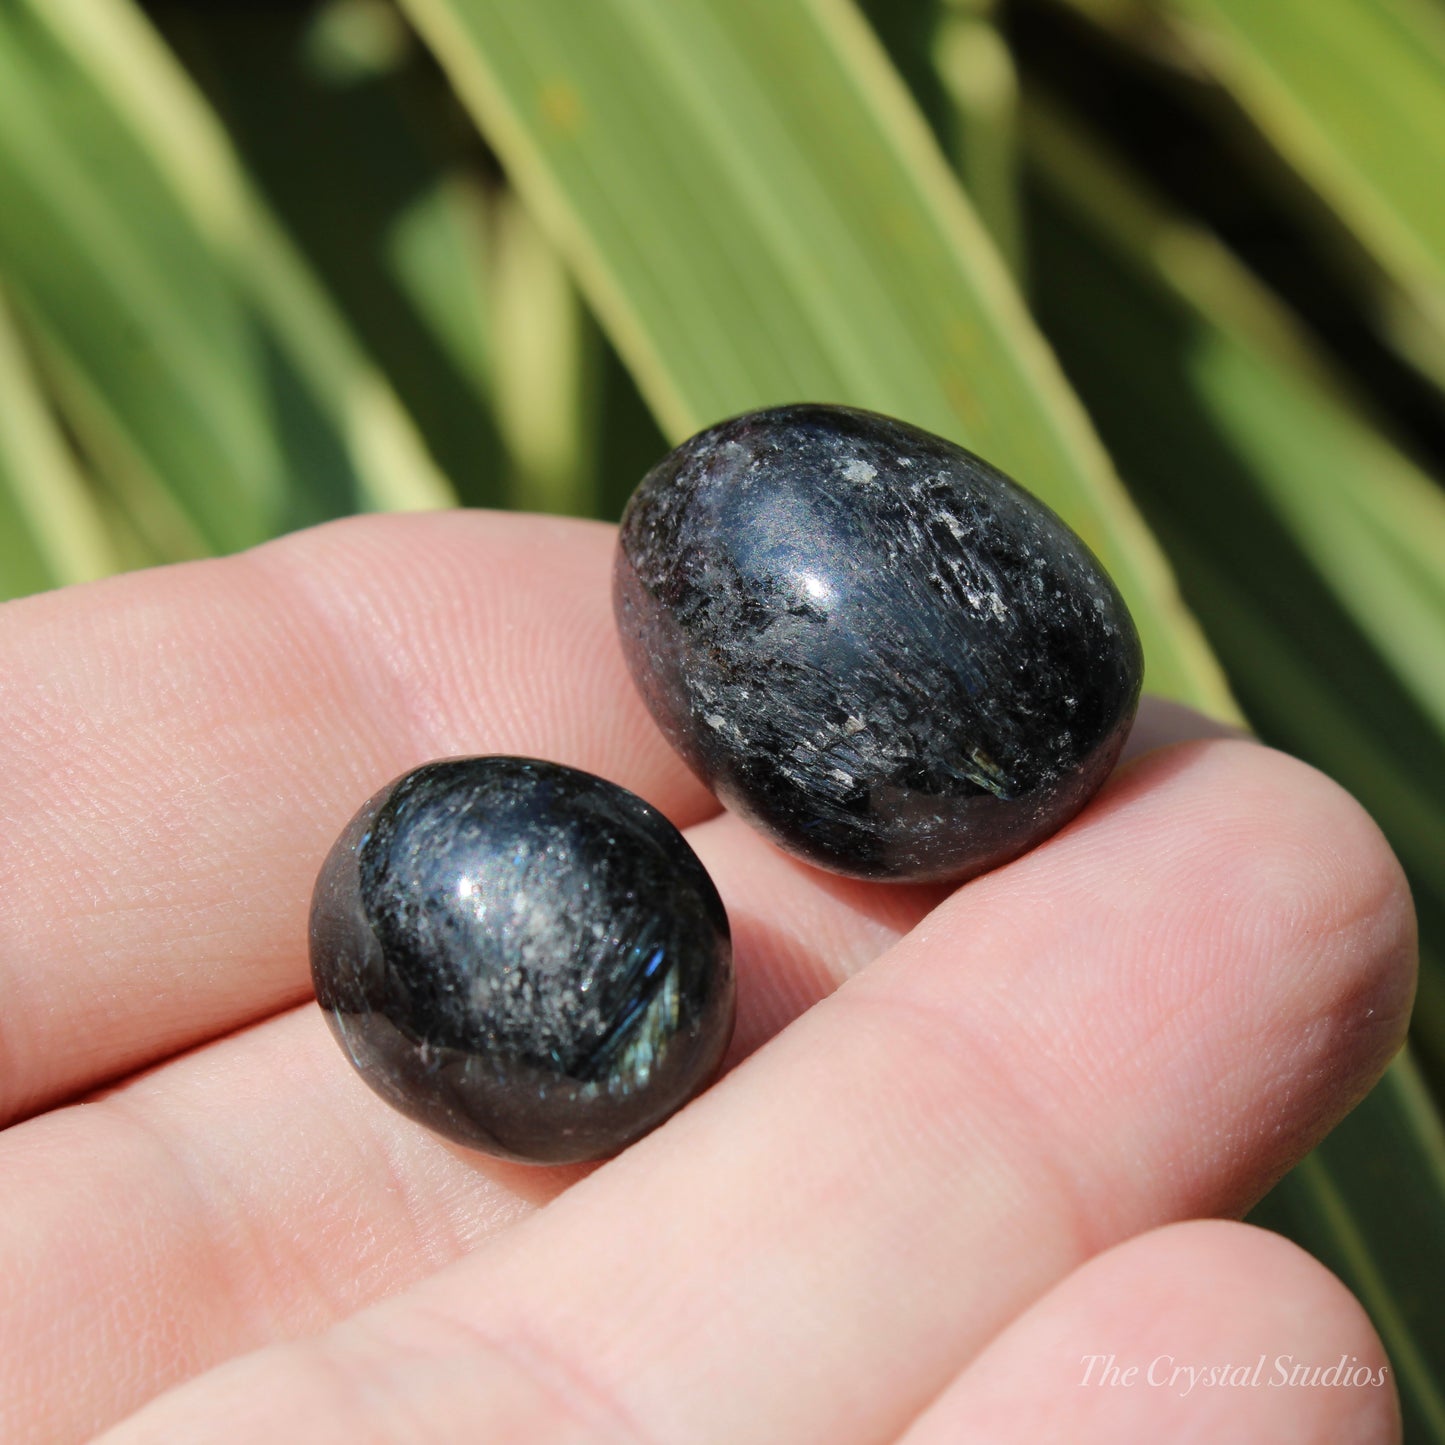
(870, 643)
(526, 958)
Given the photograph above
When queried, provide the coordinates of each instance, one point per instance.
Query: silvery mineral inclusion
(526, 958)
(870, 643)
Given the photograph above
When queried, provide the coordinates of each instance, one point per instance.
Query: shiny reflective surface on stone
(871, 644)
(526, 958)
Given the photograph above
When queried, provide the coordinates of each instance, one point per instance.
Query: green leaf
(978, 75)
(1352, 94)
(94, 246)
(1367, 1204)
(541, 390)
(163, 290)
(1310, 548)
(1311, 544)
(342, 122)
(437, 249)
(758, 214)
(51, 531)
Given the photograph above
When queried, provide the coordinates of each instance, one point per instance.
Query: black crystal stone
(870, 643)
(526, 958)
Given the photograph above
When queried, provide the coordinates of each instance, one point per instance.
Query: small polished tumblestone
(525, 958)
(870, 643)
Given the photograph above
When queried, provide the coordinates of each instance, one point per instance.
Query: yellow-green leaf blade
(1311, 549)
(1352, 94)
(90, 242)
(50, 530)
(758, 215)
(194, 343)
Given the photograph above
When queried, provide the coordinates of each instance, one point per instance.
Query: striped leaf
(758, 214)
(187, 337)
(1294, 526)
(51, 529)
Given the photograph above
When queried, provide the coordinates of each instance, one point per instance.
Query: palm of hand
(914, 1214)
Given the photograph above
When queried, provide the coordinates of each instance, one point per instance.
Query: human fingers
(1147, 1018)
(1206, 1330)
(259, 1192)
(255, 1190)
(179, 747)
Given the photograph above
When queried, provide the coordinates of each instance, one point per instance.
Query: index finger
(179, 747)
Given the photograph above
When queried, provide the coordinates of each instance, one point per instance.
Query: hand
(914, 1210)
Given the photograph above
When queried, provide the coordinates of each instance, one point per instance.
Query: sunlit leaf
(1310, 548)
(131, 237)
(51, 530)
(758, 214)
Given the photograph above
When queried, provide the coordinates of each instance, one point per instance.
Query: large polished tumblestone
(524, 957)
(872, 644)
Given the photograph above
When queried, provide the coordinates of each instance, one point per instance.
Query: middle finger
(255, 1189)
(1148, 1017)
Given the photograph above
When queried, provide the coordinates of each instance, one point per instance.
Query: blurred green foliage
(264, 265)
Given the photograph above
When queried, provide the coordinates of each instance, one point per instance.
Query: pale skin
(967, 1138)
